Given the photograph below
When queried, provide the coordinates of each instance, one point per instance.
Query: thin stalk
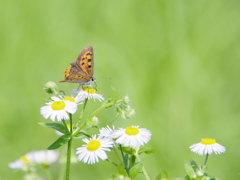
(125, 163)
(80, 118)
(65, 124)
(71, 128)
(68, 159)
(84, 106)
(101, 108)
(143, 168)
(46, 172)
(205, 162)
(113, 119)
(69, 152)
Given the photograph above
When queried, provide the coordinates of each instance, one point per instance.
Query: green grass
(177, 60)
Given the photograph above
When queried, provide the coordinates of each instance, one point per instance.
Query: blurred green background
(177, 60)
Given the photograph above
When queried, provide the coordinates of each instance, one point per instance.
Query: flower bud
(127, 113)
(51, 88)
(93, 122)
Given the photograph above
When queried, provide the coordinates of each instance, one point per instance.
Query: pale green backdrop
(179, 61)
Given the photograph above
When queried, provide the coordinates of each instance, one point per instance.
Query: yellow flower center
(68, 98)
(93, 145)
(208, 141)
(131, 131)
(24, 159)
(89, 90)
(58, 105)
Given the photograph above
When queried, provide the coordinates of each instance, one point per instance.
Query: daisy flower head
(22, 163)
(58, 109)
(207, 146)
(89, 93)
(35, 157)
(94, 149)
(132, 136)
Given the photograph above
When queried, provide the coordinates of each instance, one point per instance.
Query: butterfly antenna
(102, 77)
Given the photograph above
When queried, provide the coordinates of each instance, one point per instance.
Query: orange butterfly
(81, 71)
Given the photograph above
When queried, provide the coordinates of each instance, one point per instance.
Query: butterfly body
(81, 71)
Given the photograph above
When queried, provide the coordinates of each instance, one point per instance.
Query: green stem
(71, 128)
(68, 159)
(143, 168)
(125, 161)
(101, 108)
(205, 162)
(65, 124)
(47, 173)
(79, 129)
(81, 115)
(113, 119)
(69, 152)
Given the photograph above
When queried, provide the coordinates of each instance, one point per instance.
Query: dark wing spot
(82, 63)
(89, 66)
(89, 60)
(88, 53)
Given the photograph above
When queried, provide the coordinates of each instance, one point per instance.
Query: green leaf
(121, 170)
(60, 141)
(128, 150)
(82, 134)
(146, 150)
(132, 160)
(125, 160)
(194, 165)
(190, 171)
(135, 170)
(57, 126)
(162, 176)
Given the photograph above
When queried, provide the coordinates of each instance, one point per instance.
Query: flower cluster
(95, 147)
(59, 107)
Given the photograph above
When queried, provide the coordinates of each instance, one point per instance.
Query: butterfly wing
(81, 71)
(85, 61)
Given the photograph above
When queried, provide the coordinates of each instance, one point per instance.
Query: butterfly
(81, 71)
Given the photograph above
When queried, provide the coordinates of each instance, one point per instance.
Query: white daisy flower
(207, 146)
(132, 136)
(93, 149)
(35, 157)
(46, 157)
(89, 93)
(58, 109)
(21, 163)
(107, 132)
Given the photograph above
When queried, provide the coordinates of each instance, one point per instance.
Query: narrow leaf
(121, 170)
(194, 165)
(146, 150)
(82, 134)
(57, 126)
(135, 170)
(132, 160)
(162, 176)
(60, 141)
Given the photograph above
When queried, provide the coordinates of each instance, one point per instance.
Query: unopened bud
(51, 88)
